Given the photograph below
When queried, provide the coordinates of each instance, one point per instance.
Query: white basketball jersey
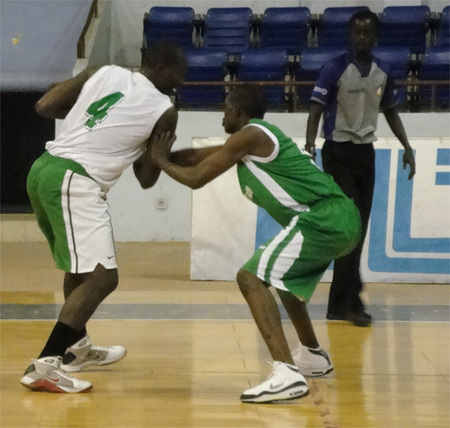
(106, 129)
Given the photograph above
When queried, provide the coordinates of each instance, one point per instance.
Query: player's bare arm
(315, 113)
(192, 157)
(145, 170)
(396, 125)
(61, 96)
(246, 141)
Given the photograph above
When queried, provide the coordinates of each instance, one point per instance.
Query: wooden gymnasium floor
(193, 348)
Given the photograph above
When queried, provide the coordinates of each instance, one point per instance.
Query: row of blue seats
(293, 28)
(273, 64)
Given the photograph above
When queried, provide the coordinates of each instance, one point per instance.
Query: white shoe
(312, 362)
(46, 375)
(83, 354)
(285, 383)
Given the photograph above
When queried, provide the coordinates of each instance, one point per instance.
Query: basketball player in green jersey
(319, 224)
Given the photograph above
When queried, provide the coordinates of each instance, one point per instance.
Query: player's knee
(240, 277)
(112, 282)
(106, 280)
(245, 281)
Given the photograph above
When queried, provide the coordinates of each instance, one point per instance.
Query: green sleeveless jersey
(286, 183)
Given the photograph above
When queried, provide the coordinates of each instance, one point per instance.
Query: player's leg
(268, 266)
(309, 357)
(298, 313)
(93, 273)
(86, 297)
(299, 266)
(285, 382)
(266, 315)
(66, 197)
(44, 373)
(71, 282)
(80, 304)
(92, 288)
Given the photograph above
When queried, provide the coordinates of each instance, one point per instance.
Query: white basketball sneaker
(284, 383)
(84, 354)
(312, 362)
(45, 374)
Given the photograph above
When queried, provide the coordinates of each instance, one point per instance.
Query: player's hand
(408, 159)
(311, 149)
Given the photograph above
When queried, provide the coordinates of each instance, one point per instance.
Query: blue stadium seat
(265, 64)
(311, 62)
(435, 65)
(399, 60)
(285, 28)
(405, 26)
(443, 31)
(204, 65)
(172, 23)
(228, 29)
(333, 25)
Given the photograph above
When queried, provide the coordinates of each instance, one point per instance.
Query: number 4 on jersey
(98, 110)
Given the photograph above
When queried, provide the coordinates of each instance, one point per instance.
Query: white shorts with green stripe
(72, 212)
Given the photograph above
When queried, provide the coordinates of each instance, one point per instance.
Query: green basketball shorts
(298, 256)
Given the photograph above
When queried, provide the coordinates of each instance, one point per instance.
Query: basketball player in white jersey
(111, 115)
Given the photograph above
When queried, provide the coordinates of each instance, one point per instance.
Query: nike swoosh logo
(110, 257)
(92, 356)
(272, 386)
(56, 380)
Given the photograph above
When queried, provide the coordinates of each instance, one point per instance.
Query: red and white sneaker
(84, 354)
(45, 374)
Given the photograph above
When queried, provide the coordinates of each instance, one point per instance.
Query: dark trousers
(353, 168)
